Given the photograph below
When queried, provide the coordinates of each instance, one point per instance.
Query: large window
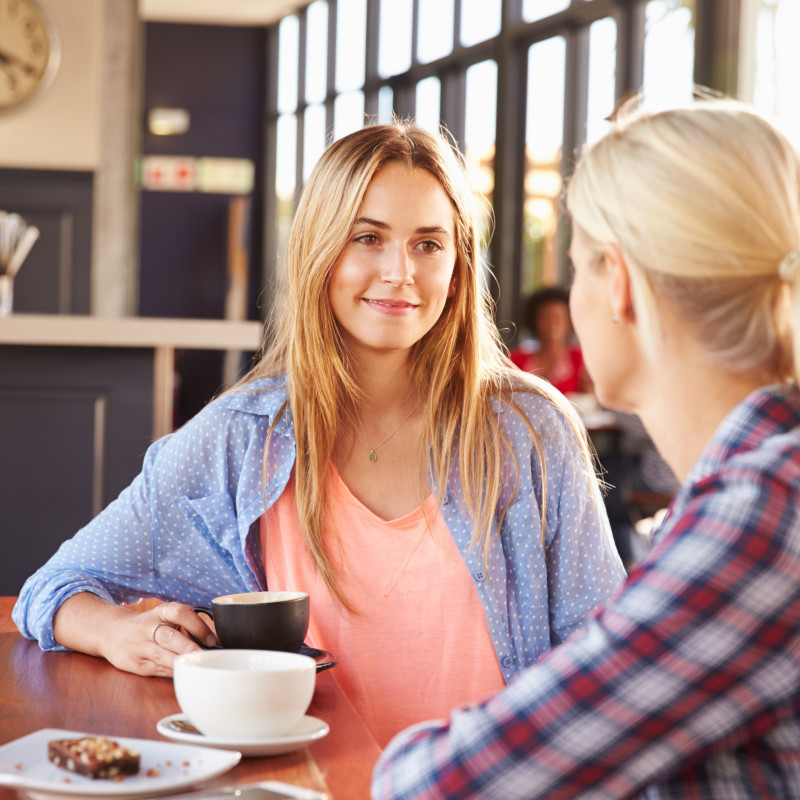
(769, 69)
(520, 84)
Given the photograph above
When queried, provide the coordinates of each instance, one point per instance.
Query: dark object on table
(93, 757)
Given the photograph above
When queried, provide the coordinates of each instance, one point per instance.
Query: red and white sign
(169, 173)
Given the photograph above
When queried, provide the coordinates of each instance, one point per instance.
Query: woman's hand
(144, 642)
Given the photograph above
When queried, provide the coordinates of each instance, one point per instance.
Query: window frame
(715, 66)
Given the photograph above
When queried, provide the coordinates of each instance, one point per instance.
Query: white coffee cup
(244, 694)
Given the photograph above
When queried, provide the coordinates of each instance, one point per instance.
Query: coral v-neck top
(420, 644)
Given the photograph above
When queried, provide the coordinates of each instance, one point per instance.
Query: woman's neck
(386, 385)
(686, 403)
(379, 454)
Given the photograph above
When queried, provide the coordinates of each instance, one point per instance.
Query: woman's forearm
(83, 621)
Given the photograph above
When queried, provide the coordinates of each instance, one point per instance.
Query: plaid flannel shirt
(686, 684)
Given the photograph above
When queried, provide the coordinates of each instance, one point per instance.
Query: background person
(439, 506)
(686, 683)
(552, 353)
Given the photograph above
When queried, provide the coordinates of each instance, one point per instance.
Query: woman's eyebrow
(376, 223)
(434, 229)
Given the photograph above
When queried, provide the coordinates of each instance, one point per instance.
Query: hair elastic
(790, 266)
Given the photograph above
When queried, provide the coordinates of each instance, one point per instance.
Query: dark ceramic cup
(260, 620)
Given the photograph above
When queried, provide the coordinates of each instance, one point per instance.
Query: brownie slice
(93, 757)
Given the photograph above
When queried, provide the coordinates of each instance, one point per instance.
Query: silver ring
(164, 612)
(155, 628)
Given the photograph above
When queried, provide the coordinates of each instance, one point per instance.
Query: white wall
(60, 129)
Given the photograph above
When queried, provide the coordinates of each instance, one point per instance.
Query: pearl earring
(615, 319)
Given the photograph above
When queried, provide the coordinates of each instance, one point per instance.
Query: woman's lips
(397, 307)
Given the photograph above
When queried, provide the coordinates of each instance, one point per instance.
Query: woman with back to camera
(383, 456)
(686, 299)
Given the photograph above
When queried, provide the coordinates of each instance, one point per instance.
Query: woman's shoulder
(262, 397)
(544, 407)
(240, 413)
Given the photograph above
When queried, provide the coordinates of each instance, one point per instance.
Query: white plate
(24, 765)
(308, 730)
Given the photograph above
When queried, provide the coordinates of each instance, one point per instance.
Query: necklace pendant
(373, 456)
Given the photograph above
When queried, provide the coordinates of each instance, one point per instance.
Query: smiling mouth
(393, 305)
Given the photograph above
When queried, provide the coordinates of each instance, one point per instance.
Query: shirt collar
(768, 411)
(264, 398)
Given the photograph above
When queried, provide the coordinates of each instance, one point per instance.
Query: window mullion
(506, 246)
(301, 98)
(454, 102)
(330, 71)
(371, 76)
(630, 21)
(270, 194)
(576, 91)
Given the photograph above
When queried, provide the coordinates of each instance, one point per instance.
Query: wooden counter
(81, 398)
(162, 336)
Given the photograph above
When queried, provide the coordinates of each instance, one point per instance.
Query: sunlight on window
(435, 37)
(285, 178)
(544, 140)
(429, 99)
(539, 9)
(480, 20)
(288, 50)
(668, 53)
(385, 105)
(480, 135)
(348, 113)
(316, 52)
(602, 76)
(394, 41)
(313, 137)
(770, 76)
(479, 128)
(351, 43)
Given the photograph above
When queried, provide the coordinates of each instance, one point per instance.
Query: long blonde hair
(704, 202)
(456, 367)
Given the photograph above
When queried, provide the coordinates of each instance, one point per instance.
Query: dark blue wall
(217, 73)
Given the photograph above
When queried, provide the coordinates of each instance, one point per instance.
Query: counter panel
(74, 425)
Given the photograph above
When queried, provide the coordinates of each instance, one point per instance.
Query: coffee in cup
(260, 620)
(244, 694)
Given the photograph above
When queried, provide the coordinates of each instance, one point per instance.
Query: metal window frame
(716, 57)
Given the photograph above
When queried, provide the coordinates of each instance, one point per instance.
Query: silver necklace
(373, 456)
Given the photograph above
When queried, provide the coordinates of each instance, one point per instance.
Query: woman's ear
(619, 284)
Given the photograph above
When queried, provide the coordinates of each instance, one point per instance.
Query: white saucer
(308, 730)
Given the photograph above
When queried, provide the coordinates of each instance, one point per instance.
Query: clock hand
(9, 59)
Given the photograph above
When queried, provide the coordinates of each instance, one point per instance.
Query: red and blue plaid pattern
(686, 684)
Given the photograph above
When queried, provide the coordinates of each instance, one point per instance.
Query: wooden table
(79, 692)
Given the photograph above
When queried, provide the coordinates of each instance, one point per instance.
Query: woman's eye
(367, 238)
(430, 246)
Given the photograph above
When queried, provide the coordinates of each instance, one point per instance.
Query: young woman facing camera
(686, 300)
(439, 506)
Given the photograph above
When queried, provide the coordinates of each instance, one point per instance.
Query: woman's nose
(398, 268)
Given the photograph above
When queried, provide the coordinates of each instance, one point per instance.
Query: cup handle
(209, 612)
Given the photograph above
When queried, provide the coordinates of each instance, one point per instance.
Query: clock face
(28, 51)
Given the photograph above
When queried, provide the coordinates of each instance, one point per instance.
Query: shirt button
(508, 661)
(479, 576)
(447, 498)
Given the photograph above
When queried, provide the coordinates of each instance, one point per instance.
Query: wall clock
(29, 52)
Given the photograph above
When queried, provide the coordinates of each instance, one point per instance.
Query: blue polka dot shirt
(187, 528)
